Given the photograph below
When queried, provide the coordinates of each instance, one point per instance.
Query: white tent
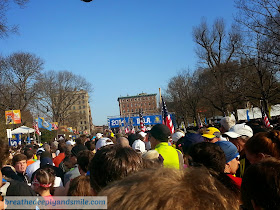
(23, 130)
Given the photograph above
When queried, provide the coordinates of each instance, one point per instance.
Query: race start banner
(13, 117)
(134, 121)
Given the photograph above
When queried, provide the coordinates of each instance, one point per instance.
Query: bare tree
(216, 49)
(19, 73)
(58, 92)
(5, 28)
(183, 95)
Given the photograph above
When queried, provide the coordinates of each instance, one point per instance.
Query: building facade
(131, 105)
(79, 113)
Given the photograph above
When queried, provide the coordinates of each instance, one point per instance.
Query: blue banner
(15, 140)
(44, 124)
(135, 121)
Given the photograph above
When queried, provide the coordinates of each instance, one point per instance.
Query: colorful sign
(15, 140)
(54, 125)
(13, 117)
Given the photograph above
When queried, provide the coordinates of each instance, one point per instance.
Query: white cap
(177, 135)
(70, 142)
(103, 142)
(139, 145)
(143, 134)
(240, 130)
(99, 135)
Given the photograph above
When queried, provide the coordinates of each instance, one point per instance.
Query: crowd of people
(233, 166)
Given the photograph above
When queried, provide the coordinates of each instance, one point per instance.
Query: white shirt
(32, 168)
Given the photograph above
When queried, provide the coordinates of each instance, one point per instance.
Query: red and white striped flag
(265, 119)
(35, 126)
(142, 126)
(166, 119)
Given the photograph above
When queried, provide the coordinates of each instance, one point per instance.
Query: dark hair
(261, 184)
(17, 158)
(62, 146)
(79, 186)
(29, 153)
(112, 163)
(131, 138)
(4, 152)
(84, 158)
(90, 145)
(265, 142)
(208, 154)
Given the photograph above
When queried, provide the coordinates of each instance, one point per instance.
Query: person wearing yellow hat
(211, 134)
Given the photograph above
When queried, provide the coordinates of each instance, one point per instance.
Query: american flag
(35, 126)
(199, 122)
(142, 126)
(265, 119)
(166, 119)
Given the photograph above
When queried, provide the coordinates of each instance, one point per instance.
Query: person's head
(190, 139)
(113, 163)
(80, 186)
(227, 123)
(29, 153)
(103, 142)
(177, 135)
(43, 180)
(139, 146)
(141, 135)
(123, 142)
(62, 146)
(263, 145)
(159, 133)
(83, 160)
(260, 185)
(82, 139)
(47, 147)
(90, 145)
(19, 163)
(208, 154)
(4, 153)
(131, 138)
(239, 134)
(160, 188)
(211, 134)
(232, 156)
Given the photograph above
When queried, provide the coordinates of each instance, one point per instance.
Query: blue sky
(122, 47)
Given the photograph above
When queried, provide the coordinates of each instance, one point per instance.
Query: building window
(126, 99)
(85, 122)
(80, 107)
(83, 101)
(84, 107)
(131, 110)
(83, 96)
(81, 122)
(74, 107)
(127, 110)
(85, 127)
(135, 99)
(81, 127)
(84, 111)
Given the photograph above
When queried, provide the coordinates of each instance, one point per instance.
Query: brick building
(131, 105)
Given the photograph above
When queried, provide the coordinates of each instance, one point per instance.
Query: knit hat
(177, 135)
(229, 149)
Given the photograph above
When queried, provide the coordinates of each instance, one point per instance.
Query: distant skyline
(122, 47)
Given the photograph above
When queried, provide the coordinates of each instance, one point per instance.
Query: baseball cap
(211, 133)
(239, 130)
(99, 135)
(103, 142)
(160, 132)
(177, 135)
(40, 151)
(191, 139)
(143, 134)
(139, 145)
(46, 161)
(229, 149)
